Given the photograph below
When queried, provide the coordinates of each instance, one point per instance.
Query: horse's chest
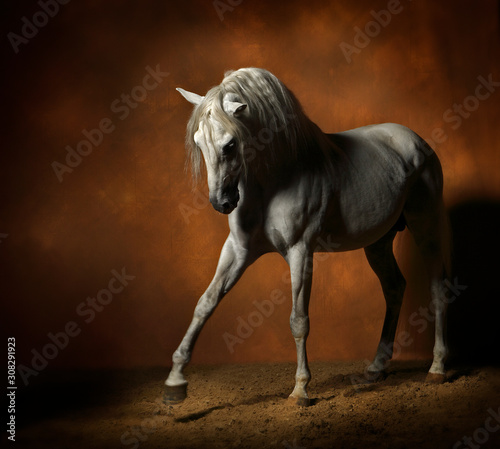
(290, 219)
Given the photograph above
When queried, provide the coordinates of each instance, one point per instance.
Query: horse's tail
(432, 234)
(444, 231)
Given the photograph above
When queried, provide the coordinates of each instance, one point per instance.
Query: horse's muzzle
(228, 205)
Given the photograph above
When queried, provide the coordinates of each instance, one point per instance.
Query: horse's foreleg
(232, 263)
(301, 264)
(381, 259)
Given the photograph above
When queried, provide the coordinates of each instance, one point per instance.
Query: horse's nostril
(226, 206)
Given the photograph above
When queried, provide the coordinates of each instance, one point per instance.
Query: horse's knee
(180, 357)
(299, 326)
(205, 307)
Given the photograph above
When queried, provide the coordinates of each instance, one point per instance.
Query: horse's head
(219, 141)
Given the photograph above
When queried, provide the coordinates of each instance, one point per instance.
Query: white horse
(289, 188)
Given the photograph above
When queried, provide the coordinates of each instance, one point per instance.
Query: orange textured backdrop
(130, 203)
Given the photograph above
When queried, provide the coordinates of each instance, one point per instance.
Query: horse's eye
(229, 147)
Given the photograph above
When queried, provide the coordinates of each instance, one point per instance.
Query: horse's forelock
(210, 108)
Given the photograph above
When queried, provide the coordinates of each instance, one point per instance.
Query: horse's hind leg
(426, 219)
(428, 238)
(381, 258)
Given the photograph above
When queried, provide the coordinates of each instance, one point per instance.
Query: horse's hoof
(299, 401)
(375, 376)
(174, 394)
(435, 378)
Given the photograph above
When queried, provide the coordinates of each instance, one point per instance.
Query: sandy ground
(245, 406)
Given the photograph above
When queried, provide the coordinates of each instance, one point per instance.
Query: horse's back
(390, 142)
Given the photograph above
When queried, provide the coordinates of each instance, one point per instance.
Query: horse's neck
(320, 159)
(267, 178)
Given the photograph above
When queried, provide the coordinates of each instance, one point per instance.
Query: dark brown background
(121, 207)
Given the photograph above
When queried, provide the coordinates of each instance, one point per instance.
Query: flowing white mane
(277, 120)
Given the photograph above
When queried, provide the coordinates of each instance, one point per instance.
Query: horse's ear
(234, 108)
(190, 96)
